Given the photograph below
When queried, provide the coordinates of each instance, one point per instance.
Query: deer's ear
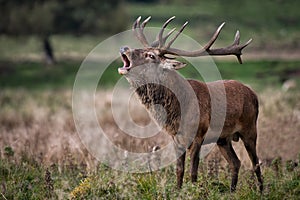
(173, 64)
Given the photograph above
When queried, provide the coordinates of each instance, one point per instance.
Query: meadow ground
(42, 155)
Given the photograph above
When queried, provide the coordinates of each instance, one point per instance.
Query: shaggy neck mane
(163, 105)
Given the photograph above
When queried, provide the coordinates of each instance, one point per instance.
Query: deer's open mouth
(126, 64)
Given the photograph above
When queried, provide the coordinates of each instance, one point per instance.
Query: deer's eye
(150, 55)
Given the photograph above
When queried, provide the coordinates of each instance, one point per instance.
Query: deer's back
(241, 105)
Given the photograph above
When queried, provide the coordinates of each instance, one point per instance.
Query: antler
(233, 49)
(138, 30)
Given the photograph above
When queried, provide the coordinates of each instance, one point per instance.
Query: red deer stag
(241, 105)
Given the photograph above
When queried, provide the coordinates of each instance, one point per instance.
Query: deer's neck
(162, 104)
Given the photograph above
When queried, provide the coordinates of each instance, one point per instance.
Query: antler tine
(134, 26)
(145, 22)
(237, 38)
(156, 42)
(180, 31)
(241, 48)
(247, 43)
(139, 30)
(160, 34)
(214, 37)
(236, 42)
(201, 52)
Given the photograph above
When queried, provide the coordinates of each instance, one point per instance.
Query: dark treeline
(44, 17)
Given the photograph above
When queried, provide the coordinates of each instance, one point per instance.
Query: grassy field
(27, 179)
(42, 156)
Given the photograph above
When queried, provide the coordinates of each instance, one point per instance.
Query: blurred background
(43, 42)
(72, 28)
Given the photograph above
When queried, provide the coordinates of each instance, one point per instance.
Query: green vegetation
(41, 156)
(28, 179)
(44, 18)
(36, 75)
(270, 23)
(273, 25)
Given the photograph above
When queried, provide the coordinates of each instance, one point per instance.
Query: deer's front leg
(180, 170)
(195, 150)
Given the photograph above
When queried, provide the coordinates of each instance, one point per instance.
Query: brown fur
(241, 110)
(151, 94)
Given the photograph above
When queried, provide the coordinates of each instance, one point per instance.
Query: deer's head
(146, 57)
(157, 53)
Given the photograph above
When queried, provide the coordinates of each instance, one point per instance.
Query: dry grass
(41, 124)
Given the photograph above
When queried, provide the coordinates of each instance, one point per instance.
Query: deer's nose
(124, 49)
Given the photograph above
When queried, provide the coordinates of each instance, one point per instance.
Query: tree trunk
(48, 51)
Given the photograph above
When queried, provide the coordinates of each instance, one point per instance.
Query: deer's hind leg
(249, 139)
(229, 154)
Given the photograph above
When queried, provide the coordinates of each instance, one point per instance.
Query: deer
(151, 71)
